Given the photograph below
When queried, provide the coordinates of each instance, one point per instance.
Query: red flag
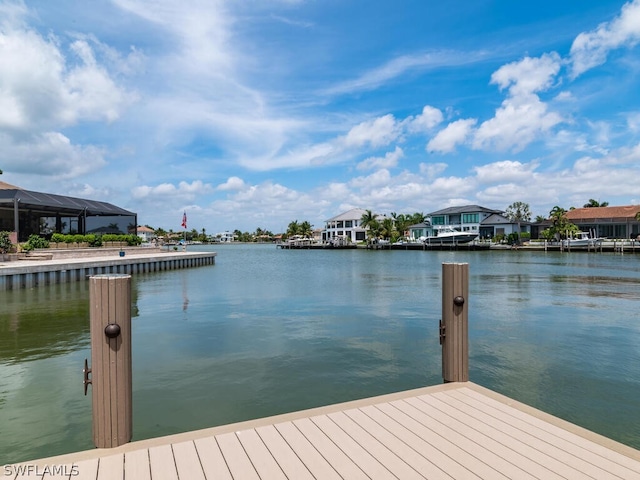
(184, 220)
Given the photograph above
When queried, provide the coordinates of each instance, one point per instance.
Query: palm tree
(368, 221)
(306, 229)
(402, 222)
(388, 228)
(293, 229)
(594, 203)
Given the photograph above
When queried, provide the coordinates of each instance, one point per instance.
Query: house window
(470, 218)
(438, 220)
(348, 224)
(340, 224)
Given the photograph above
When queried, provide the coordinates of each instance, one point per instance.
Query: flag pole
(184, 224)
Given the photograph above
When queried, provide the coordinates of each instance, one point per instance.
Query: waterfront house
(146, 234)
(226, 237)
(466, 218)
(608, 222)
(497, 224)
(345, 226)
(26, 212)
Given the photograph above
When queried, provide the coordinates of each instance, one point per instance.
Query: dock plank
(187, 461)
(383, 454)
(211, 459)
(468, 440)
(524, 456)
(329, 450)
(442, 449)
(234, 454)
(87, 469)
(410, 450)
(282, 452)
(261, 458)
(111, 467)
(136, 465)
(358, 455)
(566, 465)
(308, 454)
(162, 463)
(589, 451)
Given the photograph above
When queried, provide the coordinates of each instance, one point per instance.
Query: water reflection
(43, 322)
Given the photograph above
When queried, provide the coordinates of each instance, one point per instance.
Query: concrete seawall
(33, 273)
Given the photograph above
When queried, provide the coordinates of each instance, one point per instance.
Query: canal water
(266, 331)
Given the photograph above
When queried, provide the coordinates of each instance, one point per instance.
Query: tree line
(394, 226)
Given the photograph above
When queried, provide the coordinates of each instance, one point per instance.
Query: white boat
(449, 235)
(583, 239)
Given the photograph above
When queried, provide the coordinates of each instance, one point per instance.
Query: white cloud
(428, 119)
(378, 132)
(506, 171)
(590, 49)
(49, 154)
(522, 117)
(184, 191)
(232, 183)
(453, 134)
(390, 160)
(40, 88)
(432, 170)
(528, 75)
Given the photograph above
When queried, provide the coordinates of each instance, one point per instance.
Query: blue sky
(250, 114)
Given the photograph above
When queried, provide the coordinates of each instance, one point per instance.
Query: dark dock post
(110, 321)
(454, 326)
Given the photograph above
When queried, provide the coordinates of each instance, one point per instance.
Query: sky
(253, 114)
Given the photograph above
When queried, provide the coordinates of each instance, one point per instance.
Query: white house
(226, 237)
(146, 234)
(347, 226)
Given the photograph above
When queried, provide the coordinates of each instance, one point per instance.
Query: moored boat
(582, 239)
(449, 235)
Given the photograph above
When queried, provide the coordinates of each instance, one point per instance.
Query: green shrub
(133, 240)
(5, 242)
(36, 241)
(57, 238)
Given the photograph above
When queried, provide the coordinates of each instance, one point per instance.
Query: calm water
(266, 331)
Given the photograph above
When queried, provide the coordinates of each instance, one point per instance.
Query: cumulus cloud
(505, 171)
(431, 170)
(522, 117)
(376, 133)
(452, 135)
(528, 75)
(184, 190)
(428, 119)
(232, 183)
(40, 88)
(50, 154)
(590, 49)
(388, 161)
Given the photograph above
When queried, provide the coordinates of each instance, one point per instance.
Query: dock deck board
(452, 431)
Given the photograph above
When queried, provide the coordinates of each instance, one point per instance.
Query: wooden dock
(449, 431)
(40, 271)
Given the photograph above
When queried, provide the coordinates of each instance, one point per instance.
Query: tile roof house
(611, 222)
